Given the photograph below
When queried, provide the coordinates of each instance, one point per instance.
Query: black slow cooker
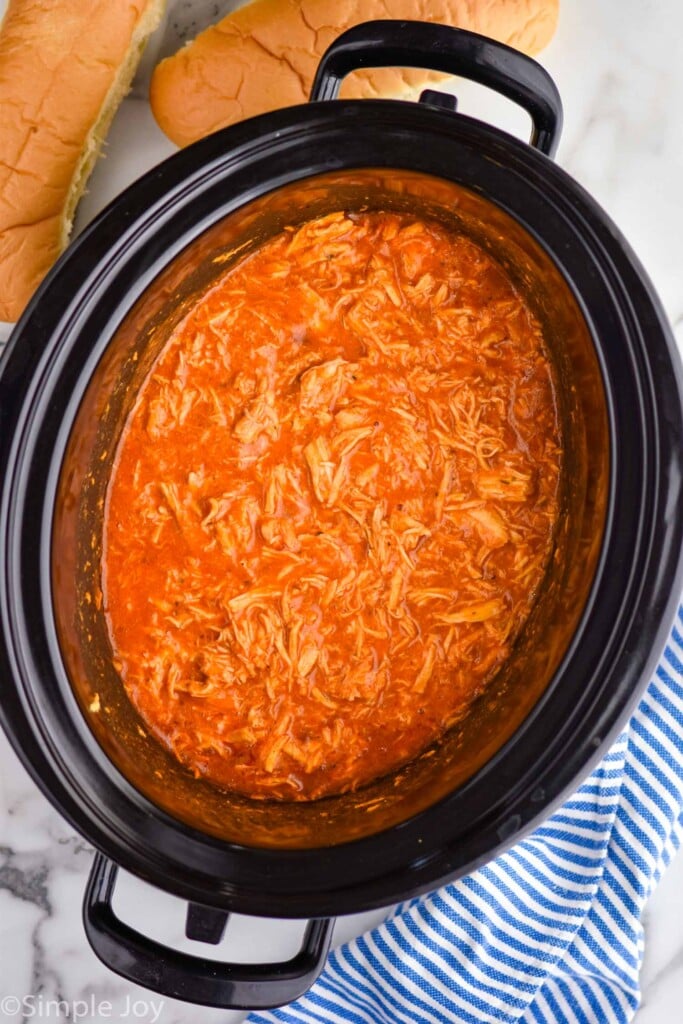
(68, 378)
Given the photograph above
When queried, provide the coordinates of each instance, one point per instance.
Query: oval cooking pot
(67, 378)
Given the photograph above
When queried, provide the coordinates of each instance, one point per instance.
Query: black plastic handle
(191, 978)
(417, 44)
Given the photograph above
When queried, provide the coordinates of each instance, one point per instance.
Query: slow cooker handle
(194, 979)
(416, 44)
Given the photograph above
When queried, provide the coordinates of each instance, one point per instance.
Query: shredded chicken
(333, 505)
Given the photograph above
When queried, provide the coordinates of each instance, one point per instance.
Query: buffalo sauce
(332, 506)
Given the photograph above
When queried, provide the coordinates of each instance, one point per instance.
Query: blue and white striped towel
(548, 932)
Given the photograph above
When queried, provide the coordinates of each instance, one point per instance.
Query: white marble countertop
(619, 67)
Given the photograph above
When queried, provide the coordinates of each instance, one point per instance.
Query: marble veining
(619, 67)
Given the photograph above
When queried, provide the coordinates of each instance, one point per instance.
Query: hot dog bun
(264, 55)
(65, 65)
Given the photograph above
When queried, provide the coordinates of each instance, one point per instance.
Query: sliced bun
(65, 66)
(264, 55)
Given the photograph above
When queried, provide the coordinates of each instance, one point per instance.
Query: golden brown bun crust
(265, 55)
(64, 67)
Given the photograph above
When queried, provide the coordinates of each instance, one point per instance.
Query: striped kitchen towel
(548, 932)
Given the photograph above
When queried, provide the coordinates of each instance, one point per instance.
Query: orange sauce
(332, 506)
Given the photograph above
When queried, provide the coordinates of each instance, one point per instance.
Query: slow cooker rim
(364, 105)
